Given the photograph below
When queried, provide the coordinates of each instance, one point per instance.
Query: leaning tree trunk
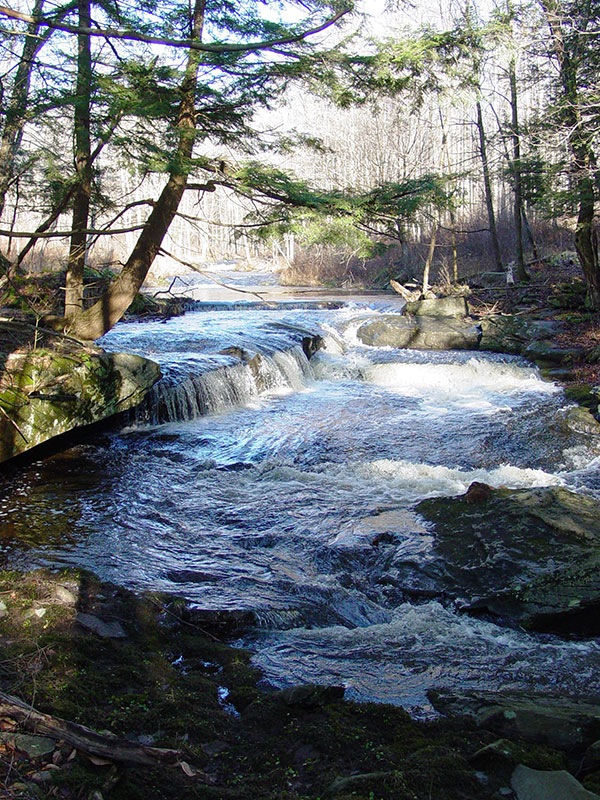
(83, 189)
(108, 310)
(487, 185)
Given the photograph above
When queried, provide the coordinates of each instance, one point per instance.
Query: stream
(286, 487)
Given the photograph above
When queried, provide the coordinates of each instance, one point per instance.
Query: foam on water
(426, 646)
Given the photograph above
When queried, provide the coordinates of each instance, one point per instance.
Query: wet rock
(478, 493)
(420, 333)
(106, 630)
(581, 420)
(528, 555)
(563, 723)
(309, 695)
(438, 307)
(310, 345)
(533, 784)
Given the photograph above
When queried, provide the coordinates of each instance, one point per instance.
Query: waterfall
(220, 388)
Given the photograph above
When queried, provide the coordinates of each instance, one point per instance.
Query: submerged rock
(528, 555)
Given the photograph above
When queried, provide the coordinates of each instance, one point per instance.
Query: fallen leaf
(188, 769)
(72, 754)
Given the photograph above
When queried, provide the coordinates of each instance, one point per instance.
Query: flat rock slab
(560, 722)
(531, 556)
(34, 746)
(534, 784)
(106, 630)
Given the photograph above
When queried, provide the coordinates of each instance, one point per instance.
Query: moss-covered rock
(528, 555)
(47, 391)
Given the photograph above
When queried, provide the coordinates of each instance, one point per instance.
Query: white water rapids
(262, 486)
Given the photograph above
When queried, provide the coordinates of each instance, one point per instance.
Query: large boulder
(507, 333)
(48, 392)
(420, 333)
(438, 307)
(530, 556)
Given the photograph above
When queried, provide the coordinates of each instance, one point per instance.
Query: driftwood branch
(82, 738)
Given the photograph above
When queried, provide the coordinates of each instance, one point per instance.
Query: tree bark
(487, 185)
(521, 272)
(12, 132)
(583, 157)
(108, 310)
(83, 189)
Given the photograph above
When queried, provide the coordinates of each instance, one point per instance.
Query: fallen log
(84, 739)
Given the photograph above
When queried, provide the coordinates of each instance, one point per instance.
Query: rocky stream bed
(136, 695)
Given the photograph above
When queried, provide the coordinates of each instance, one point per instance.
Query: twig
(210, 277)
(14, 424)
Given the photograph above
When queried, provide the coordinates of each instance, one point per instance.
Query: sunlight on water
(255, 480)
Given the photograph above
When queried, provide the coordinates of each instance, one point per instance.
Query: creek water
(265, 485)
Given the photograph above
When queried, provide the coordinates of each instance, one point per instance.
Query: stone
(546, 352)
(531, 556)
(106, 630)
(534, 784)
(591, 760)
(3, 609)
(438, 307)
(581, 420)
(559, 722)
(34, 746)
(420, 333)
(507, 333)
(502, 750)
(55, 392)
(63, 595)
(34, 613)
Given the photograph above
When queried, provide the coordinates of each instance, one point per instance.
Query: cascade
(217, 389)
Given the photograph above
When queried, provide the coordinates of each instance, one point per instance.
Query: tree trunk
(108, 310)
(489, 202)
(12, 132)
(83, 189)
(583, 157)
(516, 172)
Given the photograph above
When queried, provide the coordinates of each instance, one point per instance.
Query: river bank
(141, 668)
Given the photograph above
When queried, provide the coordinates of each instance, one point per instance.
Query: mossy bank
(142, 668)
